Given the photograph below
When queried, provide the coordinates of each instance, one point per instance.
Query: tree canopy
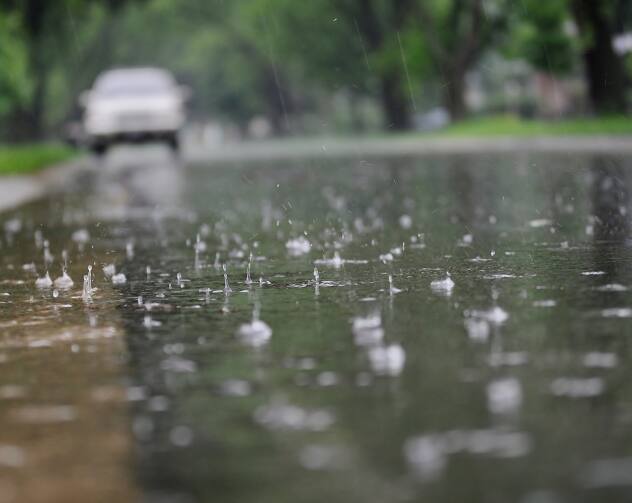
(289, 63)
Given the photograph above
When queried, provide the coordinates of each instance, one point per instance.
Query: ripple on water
(367, 330)
(387, 359)
(611, 287)
(281, 415)
(601, 473)
(428, 454)
(597, 359)
(42, 414)
(578, 387)
(616, 312)
(12, 456)
(504, 396)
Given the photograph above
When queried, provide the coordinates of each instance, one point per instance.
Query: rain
(359, 251)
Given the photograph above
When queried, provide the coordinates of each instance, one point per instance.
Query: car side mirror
(84, 98)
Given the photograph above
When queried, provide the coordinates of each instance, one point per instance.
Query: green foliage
(15, 85)
(543, 36)
(509, 125)
(31, 157)
(276, 58)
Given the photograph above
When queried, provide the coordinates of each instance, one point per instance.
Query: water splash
(367, 331)
(149, 323)
(64, 282)
(316, 282)
(298, 246)
(387, 360)
(392, 290)
(227, 288)
(119, 279)
(248, 279)
(200, 246)
(44, 281)
(337, 261)
(87, 286)
(257, 332)
(109, 270)
(504, 396)
(443, 286)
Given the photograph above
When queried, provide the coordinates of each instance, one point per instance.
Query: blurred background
(262, 68)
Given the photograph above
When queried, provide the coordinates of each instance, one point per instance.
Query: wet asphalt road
(505, 381)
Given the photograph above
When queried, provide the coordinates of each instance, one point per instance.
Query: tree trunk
(605, 74)
(454, 95)
(279, 104)
(29, 120)
(394, 103)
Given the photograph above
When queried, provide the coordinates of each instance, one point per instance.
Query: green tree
(605, 71)
(457, 33)
(15, 86)
(46, 29)
(543, 38)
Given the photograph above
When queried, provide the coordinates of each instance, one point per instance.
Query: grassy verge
(514, 126)
(28, 158)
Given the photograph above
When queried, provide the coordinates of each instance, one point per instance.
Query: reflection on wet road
(451, 328)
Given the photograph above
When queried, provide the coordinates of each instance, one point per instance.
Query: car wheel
(173, 142)
(99, 149)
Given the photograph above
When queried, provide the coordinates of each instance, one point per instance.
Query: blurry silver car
(133, 105)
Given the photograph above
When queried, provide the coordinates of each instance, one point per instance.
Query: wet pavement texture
(440, 328)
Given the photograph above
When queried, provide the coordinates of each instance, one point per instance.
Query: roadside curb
(16, 190)
(329, 147)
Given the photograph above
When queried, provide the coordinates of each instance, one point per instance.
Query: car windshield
(133, 82)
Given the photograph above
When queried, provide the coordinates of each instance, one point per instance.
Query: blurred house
(514, 86)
